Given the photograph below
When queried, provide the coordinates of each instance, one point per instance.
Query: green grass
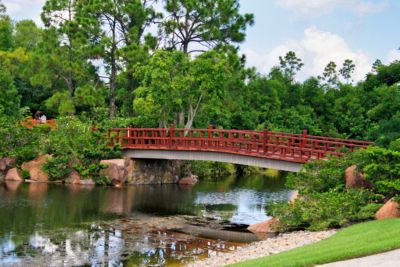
(352, 242)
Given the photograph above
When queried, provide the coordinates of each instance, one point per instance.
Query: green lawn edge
(355, 241)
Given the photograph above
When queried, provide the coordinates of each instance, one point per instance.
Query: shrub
(382, 168)
(320, 176)
(319, 211)
(208, 169)
(58, 168)
(74, 145)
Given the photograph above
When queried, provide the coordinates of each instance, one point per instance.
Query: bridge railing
(265, 144)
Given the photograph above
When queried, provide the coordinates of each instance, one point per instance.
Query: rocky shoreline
(270, 246)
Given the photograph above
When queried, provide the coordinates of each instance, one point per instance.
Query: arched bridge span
(267, 149)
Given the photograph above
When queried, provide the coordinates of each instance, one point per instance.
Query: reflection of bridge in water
(267, 149)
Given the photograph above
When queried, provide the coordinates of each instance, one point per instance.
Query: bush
(320, 176)
(58, 168)
(74, 145)
(382, 168)
(319, 211)
(210, 169)
(20, 142)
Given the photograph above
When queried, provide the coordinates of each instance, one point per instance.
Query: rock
(154, 171)
(117, 170)
(354, 179)
(264, 229)
(34, 167)
(189, 180)
(294, 196)
(73, 178)
(87, 182)
(389, 210)
(7, 163)
(14, 175)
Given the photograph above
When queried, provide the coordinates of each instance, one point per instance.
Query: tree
(347, 69)
(27, 35)
(119, 32)
(191, 84)
(330, 74)
(195, 26)
(72, 26)
(376, 65)
(156, 98)
(3, 9)
(290, 64)
(6, 31)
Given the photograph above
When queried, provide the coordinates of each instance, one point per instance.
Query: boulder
(389, 210)
(294, 196)
(14, 175)
(116, 171)
(355, 179)
(34, 167)
(154, 171)
(7, 163)
(73, 178)
(264, 229)
(189, 180)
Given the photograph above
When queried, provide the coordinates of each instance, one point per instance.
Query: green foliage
(25, 174)
(75, 145)
(319, 211)
(208, 23)
(319, 176)
(20, 142)
(210, 169)
(382, 168)
(57, 167)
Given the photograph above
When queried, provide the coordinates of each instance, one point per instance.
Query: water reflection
(57, 225)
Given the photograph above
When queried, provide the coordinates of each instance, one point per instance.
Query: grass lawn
(352, 242)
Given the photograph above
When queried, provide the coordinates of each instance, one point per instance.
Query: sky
(318, 31)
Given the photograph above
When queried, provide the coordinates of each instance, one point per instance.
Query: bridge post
(171, 134)
(304, 138)
(265, 146)
(210, 135)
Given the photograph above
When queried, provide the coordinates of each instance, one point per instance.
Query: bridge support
(213, 156)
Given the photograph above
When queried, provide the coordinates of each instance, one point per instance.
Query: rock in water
(73, 178)
(389, 210)
(116, 171)
(14, 175)
(6, 163)
(264, 229)
(34, 167)
(189, 180)
(154, 171)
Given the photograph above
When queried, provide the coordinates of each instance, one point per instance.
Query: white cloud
(321, 7)
(316, 48)
(24, 9)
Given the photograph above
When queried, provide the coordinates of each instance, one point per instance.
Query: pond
(53, 225)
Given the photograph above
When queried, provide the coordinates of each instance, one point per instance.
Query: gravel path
(387, 259)
(270, 246)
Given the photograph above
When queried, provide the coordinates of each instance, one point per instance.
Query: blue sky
(317, 30)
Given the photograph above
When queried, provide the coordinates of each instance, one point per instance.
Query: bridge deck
(295, 148)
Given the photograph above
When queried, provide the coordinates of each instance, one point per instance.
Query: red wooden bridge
(284, 151)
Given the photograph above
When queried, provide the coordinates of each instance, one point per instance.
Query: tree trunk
(113, 73)
(181, 118)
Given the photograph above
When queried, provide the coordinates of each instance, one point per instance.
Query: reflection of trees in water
(105, 245)
(173, 248)
(71, 248)
(38, 214)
